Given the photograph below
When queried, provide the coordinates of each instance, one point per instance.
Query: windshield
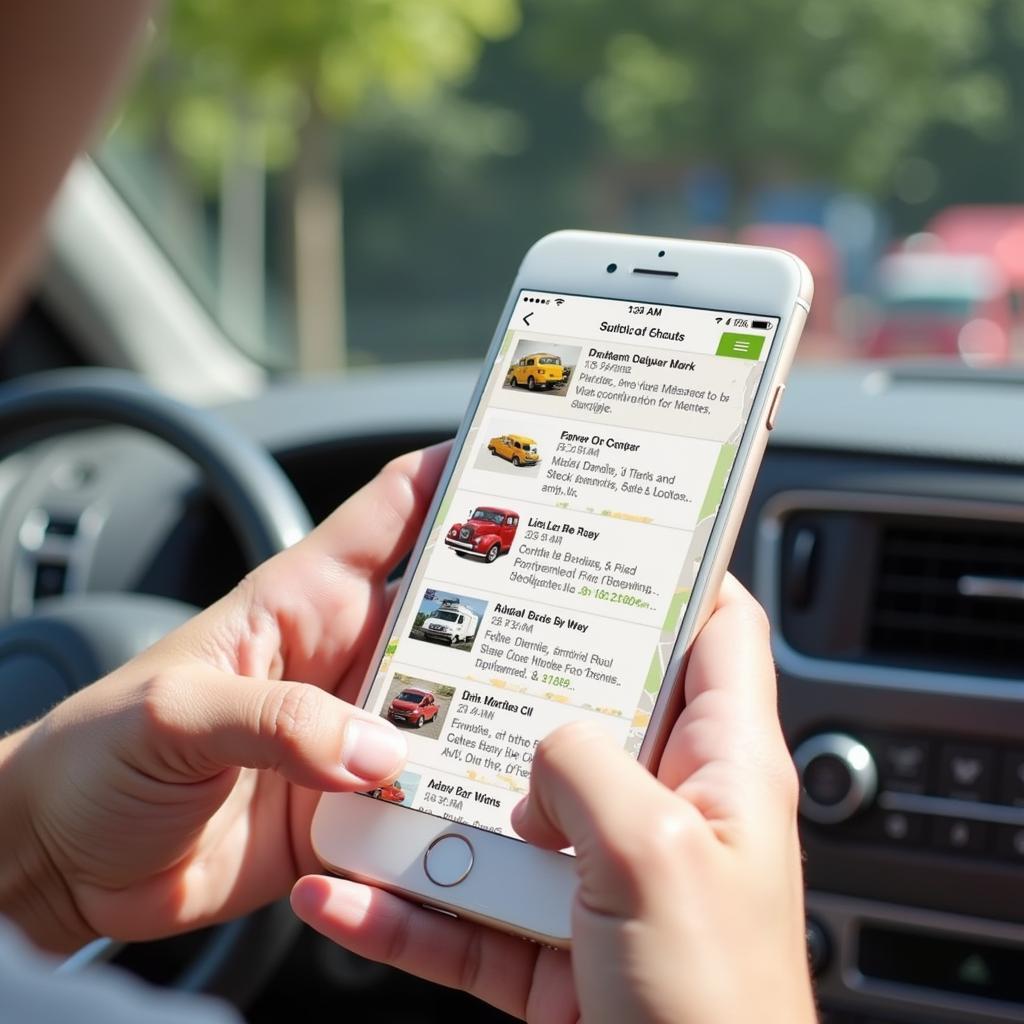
(328, 184)
(489, 515)
(410, 698)
(446, 616)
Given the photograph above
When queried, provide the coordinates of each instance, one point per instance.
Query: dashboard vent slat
(924, 614)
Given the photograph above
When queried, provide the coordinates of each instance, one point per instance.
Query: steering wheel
(66, 643)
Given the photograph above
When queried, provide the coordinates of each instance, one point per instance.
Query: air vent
(950, 595)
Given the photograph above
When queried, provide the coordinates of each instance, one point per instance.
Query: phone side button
(773, 409)
(448, 859)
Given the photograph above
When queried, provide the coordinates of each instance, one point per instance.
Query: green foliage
(837, 91)
(821, 89)
(230, 73)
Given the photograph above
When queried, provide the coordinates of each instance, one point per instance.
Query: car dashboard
(885, 540)
(885, 537)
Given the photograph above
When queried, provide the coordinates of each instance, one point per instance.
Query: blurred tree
(806, 89)
(954, 164)
(237, 88)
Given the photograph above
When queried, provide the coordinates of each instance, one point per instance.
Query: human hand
(690, 902)
(179, 790)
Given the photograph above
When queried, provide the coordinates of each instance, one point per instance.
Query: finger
(588, 793)
(201, 722)
(306, 612)
(374, 528)
(726, 754)
(490, 965)
(732, 653)
(349, 685)
(321, 601)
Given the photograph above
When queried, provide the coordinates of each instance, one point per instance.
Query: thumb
(198, 723)
(587, 792)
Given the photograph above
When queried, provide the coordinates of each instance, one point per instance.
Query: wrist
(34, 893)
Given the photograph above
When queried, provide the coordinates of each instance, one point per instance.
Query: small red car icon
(393, 794)
(413, 705)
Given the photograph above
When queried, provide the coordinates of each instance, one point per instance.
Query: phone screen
(558, 568)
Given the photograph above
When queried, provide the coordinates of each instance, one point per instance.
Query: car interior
(149, 460)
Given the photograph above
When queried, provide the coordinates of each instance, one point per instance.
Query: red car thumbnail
(393, 794)
(413, 705)
(487, 533)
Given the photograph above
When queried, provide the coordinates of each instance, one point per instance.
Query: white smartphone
(575, 547)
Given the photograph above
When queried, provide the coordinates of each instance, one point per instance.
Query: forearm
(33, 892)
(60, 63)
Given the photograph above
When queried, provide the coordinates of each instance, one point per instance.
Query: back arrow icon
(526, 319)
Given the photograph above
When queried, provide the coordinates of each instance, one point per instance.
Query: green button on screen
(740, 346)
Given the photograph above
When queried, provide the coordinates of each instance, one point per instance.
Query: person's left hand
(179, 790)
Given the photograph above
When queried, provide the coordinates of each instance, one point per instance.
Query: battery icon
(760, 325)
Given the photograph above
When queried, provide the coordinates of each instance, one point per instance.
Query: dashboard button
(1011, 787)
(827, 780)
(903, 764)
(960, 835)
(967, 773)
(896, 828)
(1010, 843)
(51, 579)
(819, 949)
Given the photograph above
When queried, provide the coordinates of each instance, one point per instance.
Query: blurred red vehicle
(985, 230)
(939, 304)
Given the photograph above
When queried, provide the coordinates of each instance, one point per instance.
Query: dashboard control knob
(838, 777)
(819, 949)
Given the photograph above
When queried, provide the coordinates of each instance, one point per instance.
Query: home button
(449, 858)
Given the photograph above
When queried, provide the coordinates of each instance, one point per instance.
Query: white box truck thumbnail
(453, 623)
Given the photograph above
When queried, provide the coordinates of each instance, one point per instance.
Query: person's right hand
(690, 903)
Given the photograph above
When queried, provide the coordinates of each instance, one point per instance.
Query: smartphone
(574, 548)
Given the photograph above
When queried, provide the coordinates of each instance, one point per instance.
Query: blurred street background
(349, 182)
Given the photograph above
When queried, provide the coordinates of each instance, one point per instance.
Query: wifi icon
(558, 302)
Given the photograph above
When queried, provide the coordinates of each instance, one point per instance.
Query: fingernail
(373, 752)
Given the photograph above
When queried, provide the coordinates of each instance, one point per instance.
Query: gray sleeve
(31, 993)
